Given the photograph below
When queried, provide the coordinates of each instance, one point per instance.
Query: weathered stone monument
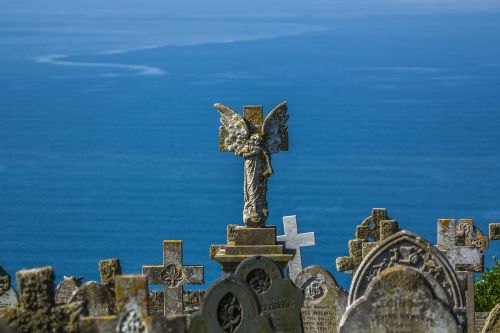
(66, 288)
(375, 228)
(8, 295)
(293, 242)
(324, 303)
(109, 269)
(230, 306)
(494, 231)
(37, 312)
(255, 139)
(278, 296)
(173, 275)
(132, 312)
(405, 284)
(192, 300)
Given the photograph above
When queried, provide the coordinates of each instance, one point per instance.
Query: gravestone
(37, 312)
(108, 270)
(293, 242)
(66, 288)
(494, 231)
(324, 303)
(132, 312)
(192, 301)
(230, 306)
(492, 323)
(8, 295)
(399, 300)
(424, 275)
(173, 276)
(375, 228)
(98, 300)
(278, 296)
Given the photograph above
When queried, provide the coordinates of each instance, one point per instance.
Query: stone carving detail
(315, 288)
(375, 228)
(172, 276)
(132, 323)
(259, 280)
(229, 313)
(255, 140)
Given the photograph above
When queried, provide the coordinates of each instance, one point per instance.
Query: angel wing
(234, 132)
(276, 130)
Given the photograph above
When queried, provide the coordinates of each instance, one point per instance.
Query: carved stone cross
(173, 276)
(294, 241)
(466, 258)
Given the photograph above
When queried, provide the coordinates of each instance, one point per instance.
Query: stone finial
(109, 269)
(375, 228)
(494, 230)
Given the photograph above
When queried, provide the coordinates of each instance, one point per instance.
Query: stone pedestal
(244, 242)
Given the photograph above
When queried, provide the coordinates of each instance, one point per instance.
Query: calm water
(108, 137)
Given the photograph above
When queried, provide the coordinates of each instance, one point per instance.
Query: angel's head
(256, 139)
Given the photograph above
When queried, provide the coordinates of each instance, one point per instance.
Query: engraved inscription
(229, 313)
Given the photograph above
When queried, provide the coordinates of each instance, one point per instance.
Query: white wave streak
(58, 59)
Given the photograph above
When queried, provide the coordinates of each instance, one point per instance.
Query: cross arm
(194, 274)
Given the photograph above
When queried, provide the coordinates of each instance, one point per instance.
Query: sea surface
(109, 140)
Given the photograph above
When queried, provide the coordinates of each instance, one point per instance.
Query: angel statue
(255, 141)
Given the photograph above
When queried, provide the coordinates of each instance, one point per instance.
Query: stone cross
(294, 241)
(468, 258)
(173, 276)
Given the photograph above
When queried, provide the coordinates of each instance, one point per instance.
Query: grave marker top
(294, 241)
(230, 306)
(108, 270)
(66, 288)
(173, 276)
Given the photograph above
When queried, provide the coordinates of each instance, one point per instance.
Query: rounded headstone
(98, 300)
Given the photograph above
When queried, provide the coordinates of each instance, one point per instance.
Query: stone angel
(255, 141)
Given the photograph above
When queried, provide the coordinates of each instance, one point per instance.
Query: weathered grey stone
(66, 288)
(8, 295)
(230, 306)
(192, 301)
(325, 301)
(409, 251)
(37, 312)
(108, 270)
(494, 230)
(293, 242)
(132, 311)
(375, 228)
(492, 323)
(278, 296)
(255, 139)
(400, 300)
(98, 300)
(173, 276)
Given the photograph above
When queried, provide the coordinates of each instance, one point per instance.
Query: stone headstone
(278, 296)
(420, 260)
(293, 242)
(173, 275)
(375, 228)
(230, 306)
(8, 295)
(325, 301)
(132, 311)
(494, 231)
(399, 300)
(108, 270)
(98, 300)
(492, 323)
(66, 288)
(37, 312)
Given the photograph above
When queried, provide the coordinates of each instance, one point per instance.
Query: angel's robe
(255, 210)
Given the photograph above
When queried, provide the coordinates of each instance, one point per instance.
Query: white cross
(294, 241)
(457, 255)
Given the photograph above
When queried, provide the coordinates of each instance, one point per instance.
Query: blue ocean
(109, 138)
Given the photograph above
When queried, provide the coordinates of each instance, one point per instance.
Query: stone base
(244, 242)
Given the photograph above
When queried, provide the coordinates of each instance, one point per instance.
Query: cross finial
(294, 241)
(173, 276)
